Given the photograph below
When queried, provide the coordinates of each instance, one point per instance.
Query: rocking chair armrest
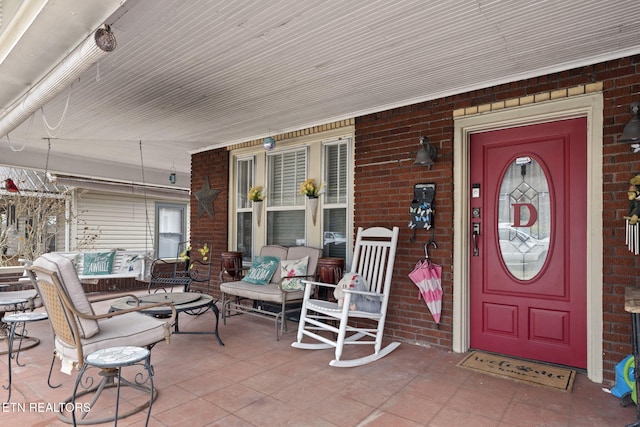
(326, 285)
(369, 293)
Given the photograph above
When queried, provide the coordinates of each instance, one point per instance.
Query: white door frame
(589, 106)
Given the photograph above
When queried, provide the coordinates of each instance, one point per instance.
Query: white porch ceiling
(191, 74)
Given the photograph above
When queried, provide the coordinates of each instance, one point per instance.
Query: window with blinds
(334, 208)
(285, 206)
(244, 180)
(170, 228)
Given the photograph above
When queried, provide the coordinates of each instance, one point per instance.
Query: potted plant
(312, 190)
(256, 195)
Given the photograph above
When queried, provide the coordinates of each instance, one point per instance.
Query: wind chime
(632, 235)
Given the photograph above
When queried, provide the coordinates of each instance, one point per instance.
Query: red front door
(528, 251)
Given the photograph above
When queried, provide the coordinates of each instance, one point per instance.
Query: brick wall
(386, 137)
(384, 144)
(213, 164)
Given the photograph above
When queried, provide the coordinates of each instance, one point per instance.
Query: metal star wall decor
(206, 196)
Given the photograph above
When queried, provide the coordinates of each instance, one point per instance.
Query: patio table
(192, 303)
(14, 320)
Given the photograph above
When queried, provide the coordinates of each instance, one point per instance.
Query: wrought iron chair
(183, 272)
(335, 326)
(78, 331)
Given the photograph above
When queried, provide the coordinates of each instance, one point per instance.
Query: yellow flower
(309, 188)
(204, 251)
(255, 194)
(184, 255)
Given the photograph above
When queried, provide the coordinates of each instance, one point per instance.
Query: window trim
(156, 232)
(313, 141)
(348, 205)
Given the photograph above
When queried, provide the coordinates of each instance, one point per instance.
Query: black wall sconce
(426, 153)
(631, 132)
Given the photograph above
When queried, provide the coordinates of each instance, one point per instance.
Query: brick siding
(213, 164)
(385, 145)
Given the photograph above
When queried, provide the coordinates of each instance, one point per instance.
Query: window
(287, 220)
(334, 208)
(244, 216)
(170, 228)
(285, 206)
(51, 232)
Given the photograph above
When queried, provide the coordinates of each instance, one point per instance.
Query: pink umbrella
(427, 277)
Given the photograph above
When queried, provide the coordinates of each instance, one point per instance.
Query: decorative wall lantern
(631, 132)
(426, 153)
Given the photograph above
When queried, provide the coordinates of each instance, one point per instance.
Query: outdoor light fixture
(172, 175)
(269, 143)
(631, 132)
(426, 153)
(77, 62)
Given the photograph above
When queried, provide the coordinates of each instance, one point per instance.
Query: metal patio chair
(79, 331)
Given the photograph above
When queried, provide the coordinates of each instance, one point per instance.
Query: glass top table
(192, 303)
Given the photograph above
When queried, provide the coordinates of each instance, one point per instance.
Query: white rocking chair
(373, 258)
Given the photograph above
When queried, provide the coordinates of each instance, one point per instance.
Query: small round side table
(111, 361)
(13, 320)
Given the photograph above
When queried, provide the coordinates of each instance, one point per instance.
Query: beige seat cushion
(134, 329)
(66, 271)
(270, 292)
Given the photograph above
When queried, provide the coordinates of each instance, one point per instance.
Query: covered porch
(255, 380)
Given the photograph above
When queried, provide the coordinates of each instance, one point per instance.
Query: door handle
(474, 237)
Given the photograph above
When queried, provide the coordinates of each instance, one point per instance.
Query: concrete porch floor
(255, 380)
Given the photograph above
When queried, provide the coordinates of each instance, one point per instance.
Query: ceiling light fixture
(77, 62)
(269, 143)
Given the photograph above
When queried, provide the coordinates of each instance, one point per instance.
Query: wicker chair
(78, 331)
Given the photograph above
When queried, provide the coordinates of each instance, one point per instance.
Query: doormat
(520, 370)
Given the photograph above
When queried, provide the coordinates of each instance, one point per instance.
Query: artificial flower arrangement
(185, 255)
(255, 194)
(310, 189)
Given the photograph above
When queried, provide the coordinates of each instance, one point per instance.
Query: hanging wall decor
(632, 235)
(206, 196)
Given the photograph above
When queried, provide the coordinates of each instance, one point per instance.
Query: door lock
(474, 237)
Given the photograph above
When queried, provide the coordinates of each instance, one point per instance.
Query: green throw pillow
(97, 263)
(262, 270)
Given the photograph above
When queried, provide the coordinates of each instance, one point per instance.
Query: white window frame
(299, 202)
(238, 192)
(184, 212)
(315, 160)
(348, 202)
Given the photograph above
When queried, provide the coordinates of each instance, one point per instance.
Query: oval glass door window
(524, 218)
